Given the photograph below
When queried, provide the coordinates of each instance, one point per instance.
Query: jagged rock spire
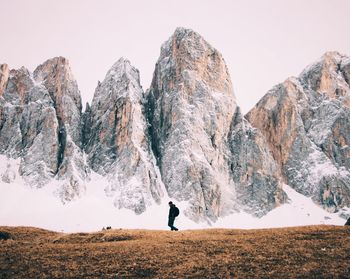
(191, 108)
(41, 124)
(118, 145)
(306, 122)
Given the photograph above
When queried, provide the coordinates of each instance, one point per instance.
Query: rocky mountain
(306, 123)
(197, 133)
(116, 141)
(255, 172)
(184, 138)
(40, 123)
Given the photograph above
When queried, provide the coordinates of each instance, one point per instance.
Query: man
(173, 213)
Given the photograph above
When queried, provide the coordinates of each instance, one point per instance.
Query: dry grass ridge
(299, 252)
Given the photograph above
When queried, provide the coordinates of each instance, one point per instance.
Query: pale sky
(263, 41)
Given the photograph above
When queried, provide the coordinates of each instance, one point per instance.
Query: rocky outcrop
(56, 76)
(18, 85)
(253, 168)
(28, 127)
(191, 106)
(116, 142)
(306, 122)
(40, 123)
(4, 76)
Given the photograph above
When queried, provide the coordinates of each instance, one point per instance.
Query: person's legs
(171, 223)
(175, 228)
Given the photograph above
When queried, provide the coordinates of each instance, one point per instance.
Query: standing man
(173, 213)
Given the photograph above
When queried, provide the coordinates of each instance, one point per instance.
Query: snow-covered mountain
(40, 123)
(184, 139)
(199, 137)
(116, 141)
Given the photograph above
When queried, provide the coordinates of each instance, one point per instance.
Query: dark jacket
(172, 211)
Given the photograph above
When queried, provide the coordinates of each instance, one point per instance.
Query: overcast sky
(263, 42)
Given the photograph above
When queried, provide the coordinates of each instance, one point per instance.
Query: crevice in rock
(114, 133)
(86, 124)
(151, 130)
(62, 140)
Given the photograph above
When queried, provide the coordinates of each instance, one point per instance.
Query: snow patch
(22, 205)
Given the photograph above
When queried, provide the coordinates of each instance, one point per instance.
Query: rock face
(117, 144)
(185, 133)
(306, 122)
(40, 118)
(191, 106)
(4, 76)
(56, 76)
(29, 127)
(253, 168)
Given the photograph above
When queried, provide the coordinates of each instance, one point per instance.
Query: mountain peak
(56, 76)
(329, 75)
(122, 68)
(332, 54)
(188, 39)
(188, 57)
(122, 62)
(55, 61)
(52, 66)
(182, 32)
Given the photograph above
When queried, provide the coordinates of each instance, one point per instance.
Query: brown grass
(302, 252)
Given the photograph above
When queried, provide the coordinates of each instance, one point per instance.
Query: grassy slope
(314, 251)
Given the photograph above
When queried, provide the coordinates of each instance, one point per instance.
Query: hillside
(313, 252)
